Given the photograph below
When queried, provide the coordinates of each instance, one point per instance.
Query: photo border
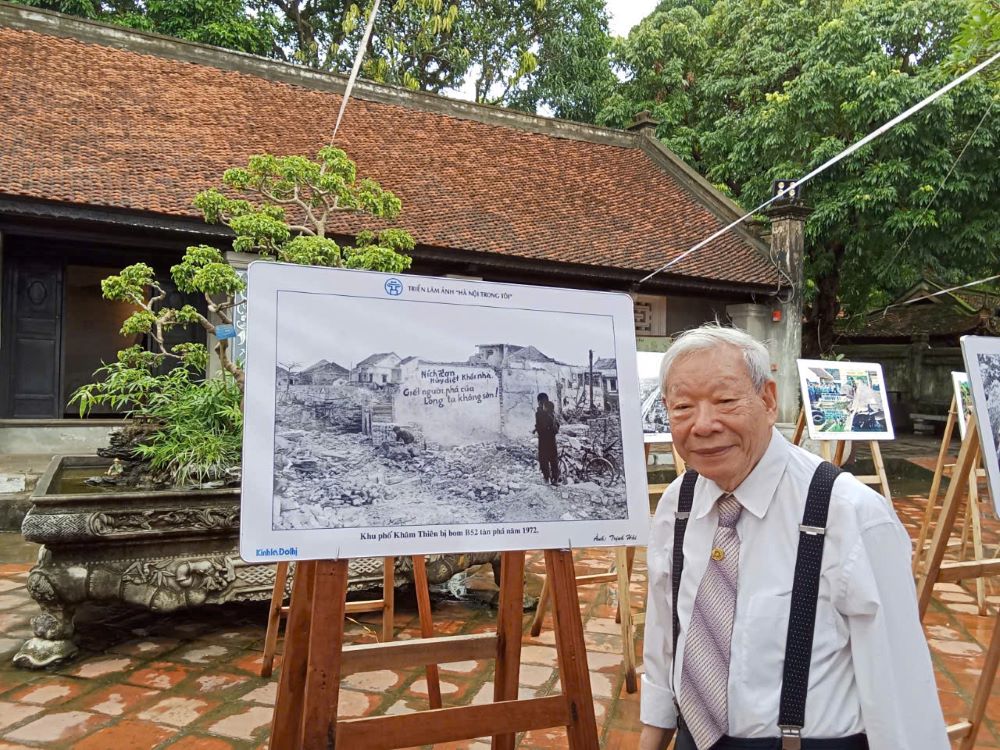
(260, 543)
(814, 434)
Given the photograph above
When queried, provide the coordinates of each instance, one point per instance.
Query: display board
(845, 400)
(415, 415)
(655, 420)
(963, 397)
(982, 363)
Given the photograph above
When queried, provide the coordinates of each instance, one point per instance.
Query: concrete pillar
(788, 220)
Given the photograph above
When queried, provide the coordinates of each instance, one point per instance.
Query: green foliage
(199, 422)
(518, 53)
(128, 384)
(200, 436)
(749, 91)
(234, 24)
(978, 37)
(290, 200)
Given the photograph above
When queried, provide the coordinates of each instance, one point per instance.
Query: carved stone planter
(161, 550)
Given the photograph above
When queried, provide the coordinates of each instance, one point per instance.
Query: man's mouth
(711, 452)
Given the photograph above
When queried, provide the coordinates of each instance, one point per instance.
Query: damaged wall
(452, 404)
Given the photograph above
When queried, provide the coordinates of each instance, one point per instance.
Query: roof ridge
(53, 23)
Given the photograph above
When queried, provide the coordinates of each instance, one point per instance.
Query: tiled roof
(374, 360)
(102, 126)
(945, 319)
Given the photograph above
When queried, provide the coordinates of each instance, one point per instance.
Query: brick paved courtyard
(189, 682)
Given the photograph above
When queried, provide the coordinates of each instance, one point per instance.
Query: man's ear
(770, 397)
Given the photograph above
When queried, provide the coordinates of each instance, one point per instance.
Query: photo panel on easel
(982, 363)
(655, 420)
(963, 398)
(414, 415)
(845, 400)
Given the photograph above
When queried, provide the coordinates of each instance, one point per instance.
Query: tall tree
(223, 23)
(518, 53)
(751, 91)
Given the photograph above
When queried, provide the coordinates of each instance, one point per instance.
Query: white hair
(712, 335)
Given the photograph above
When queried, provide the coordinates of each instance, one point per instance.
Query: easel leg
(629, 562)
(540, 608)
(287, 721)
(509, 627)
(571, 650)
(838, 454)
(274, 618)
(388, 597)
(880, 470)
(929, 510)
(977, 537)
(824, 451)
(679, 466)
(624, 564)
(989, 673)
(952, 500)
(326, 642)
(420, 585)
(800, 428)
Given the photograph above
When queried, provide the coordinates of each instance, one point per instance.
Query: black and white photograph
(415, 410)
(655, 420)
(982, 363)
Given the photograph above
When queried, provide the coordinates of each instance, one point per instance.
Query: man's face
(719, 422)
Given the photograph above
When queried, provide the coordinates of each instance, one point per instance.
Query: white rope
(357, 66)
(830, 162)
(943, 291)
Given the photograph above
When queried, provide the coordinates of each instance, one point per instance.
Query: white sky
(347, 329)
(622, 14)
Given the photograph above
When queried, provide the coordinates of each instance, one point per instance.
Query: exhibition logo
(277, 552)
(393, 287)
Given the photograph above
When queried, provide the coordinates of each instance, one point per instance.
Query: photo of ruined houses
(419, 413)
(655, 420)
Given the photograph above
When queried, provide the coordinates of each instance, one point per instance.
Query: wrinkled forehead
(718, 365)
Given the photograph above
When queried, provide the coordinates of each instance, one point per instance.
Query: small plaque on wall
(650, 315)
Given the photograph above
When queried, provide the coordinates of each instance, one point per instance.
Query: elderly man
(796, 623)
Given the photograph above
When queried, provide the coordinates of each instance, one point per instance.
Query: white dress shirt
(871, 670)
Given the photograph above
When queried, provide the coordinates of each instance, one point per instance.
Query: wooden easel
(836, 456)
(305, 712)
(386, 605)
(939, 571)
(620, 572)
(973, 516)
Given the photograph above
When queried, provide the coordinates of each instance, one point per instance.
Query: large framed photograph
(963, 400)
(845, 400)
(655, 420)
(982, 363)
(415, 415)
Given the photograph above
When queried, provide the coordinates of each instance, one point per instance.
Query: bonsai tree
(188, 425)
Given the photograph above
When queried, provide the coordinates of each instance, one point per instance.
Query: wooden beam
(418, 652)
(959, 730)
(957, 571)
(450, 724)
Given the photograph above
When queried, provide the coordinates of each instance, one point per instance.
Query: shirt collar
(757, 490)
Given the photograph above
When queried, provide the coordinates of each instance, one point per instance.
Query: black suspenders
(805, 590)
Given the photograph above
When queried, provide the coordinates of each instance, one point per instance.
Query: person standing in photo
(546, 427)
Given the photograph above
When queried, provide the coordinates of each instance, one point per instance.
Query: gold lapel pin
(718, 554)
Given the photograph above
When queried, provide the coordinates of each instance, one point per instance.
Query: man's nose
(704, 419)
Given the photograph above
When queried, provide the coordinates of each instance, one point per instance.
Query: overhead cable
(829, 163)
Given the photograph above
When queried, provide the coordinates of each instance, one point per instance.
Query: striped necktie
(705, 672)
